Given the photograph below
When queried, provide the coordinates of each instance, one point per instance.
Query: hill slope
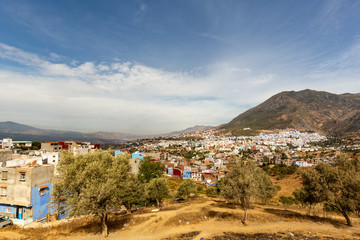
(18, 131)
(13, 126)
(304, 110)
(196, 128)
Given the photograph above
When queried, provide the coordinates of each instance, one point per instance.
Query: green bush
(287, 200)
(212, 191)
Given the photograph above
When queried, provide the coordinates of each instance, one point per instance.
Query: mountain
(196, 128)
(318, 111)
(24, 132)
(18, 131)
(15, 127)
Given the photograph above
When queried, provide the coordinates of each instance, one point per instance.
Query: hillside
(318, 111)
(196, 128)
(200, 218)
(18, 131)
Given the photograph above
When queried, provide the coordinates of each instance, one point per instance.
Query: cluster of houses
(26, 178)
(216, 150)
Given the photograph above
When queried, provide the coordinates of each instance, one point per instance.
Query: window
(8, 210)
(22, 176)
(3, 191)
(42, 190)
(4, 175)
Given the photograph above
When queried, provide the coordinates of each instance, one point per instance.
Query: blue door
(20, 212)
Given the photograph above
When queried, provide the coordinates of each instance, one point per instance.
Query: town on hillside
(28, 168)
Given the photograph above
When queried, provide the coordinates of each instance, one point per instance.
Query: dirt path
(208, 219)
(169, 224)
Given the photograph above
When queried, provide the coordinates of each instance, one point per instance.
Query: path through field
(203, 218)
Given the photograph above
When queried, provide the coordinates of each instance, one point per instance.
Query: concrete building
(135, 165)
(134, 162)
(50, 157)
(83, 148)
(162, 156)
(51, 147)
(25, 193)
(22, 162)
(303, 163)
(8, 143)
(5, 155)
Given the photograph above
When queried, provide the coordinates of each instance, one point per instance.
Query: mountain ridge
(10, 129)
(196, 128)
(319, 111)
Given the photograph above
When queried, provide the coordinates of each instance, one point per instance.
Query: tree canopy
(157, 189)
(93, 184)
(338, 187)
(149, 170)
(185, 189)
(245, 183)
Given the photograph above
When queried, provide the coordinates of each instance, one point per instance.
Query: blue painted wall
(138, 155)
(4, 206)
(39, 202)
(117, 152)
(186, 173)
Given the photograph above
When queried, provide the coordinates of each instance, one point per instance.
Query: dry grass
(183, 236)
(75, 227)
(287, 184)
(196, 218)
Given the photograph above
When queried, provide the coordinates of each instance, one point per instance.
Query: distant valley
(24, 132)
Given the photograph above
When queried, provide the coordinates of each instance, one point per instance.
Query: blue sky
(159, 66)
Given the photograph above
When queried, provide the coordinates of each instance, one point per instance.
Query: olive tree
(93, 184)
(337, 186)
(185, 189)
(244, 183)
(157, 189)
(149, 170)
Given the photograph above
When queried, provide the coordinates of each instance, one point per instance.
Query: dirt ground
(199, 218)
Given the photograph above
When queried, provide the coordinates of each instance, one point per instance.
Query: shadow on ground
(183, 236)
(267, 236)
(296, 215)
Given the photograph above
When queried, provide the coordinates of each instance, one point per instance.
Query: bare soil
(199, 218)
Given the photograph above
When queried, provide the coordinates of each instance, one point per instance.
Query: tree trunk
(104, 227)
(158, 203)
(57, 211)
(245, 216)
(348, 220)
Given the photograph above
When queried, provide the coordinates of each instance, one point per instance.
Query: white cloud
(340, 73)
(135, 97)
(132, 97)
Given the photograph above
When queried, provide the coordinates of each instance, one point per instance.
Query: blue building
(138, 155)
(117, 152)
(186, 173)
(25, 193)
